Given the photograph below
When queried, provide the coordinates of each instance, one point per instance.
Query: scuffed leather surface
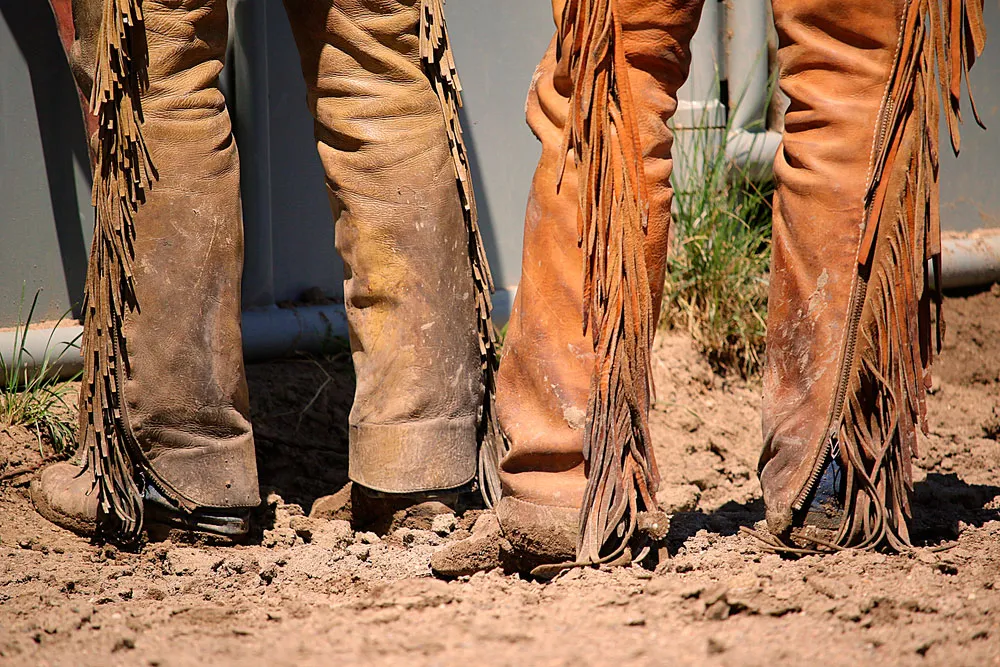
(545, 373)
(186, 392)
(545, 532)
(63, 496)
(835, 59)
(400, 230)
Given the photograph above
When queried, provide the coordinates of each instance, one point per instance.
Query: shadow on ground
(943, 504)
(300, 411)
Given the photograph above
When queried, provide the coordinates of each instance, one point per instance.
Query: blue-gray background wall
(45, 216)
(46, 221)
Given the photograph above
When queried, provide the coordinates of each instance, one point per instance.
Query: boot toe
(538, 534)
(64, 494)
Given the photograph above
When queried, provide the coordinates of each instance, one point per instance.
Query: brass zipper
(858, 293)
(847, 363)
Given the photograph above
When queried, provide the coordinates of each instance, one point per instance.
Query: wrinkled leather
(545, 374)
(835, 60)
(401, 233)
(381, 136)
(186, 392)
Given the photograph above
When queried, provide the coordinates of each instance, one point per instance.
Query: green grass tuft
(33, 395)
(716, 285)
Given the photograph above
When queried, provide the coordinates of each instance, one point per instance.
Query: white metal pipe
(746, 63)
(61, 344)
(268, 333)
(707, 63)
(700, 119)
(753, 152)
(970, 260)
(701, 123)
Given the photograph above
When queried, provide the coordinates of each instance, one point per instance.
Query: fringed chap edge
(894, 322)
(439, 65)
(602, 132)
(123, 173)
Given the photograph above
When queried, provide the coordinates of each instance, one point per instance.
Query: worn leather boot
(851, 313)
(574, 384)
(164, 409)
(383, 89)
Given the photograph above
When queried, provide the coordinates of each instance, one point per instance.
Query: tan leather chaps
(851, 311)
(855, 232)
(165, 398)
(573, 389)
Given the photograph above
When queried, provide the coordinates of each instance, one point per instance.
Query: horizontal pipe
(61, 345)
(268, 333)
(753, 152)
(970, 260)
(272, 332)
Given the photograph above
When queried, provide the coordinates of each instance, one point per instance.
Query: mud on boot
(539, 540)
(383, 512)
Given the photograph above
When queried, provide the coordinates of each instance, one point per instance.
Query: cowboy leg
(164, 408)
(855, 231)
(386, 130)
(573, 388)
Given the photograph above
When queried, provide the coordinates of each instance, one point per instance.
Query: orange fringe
(617, 309)
(889, 347)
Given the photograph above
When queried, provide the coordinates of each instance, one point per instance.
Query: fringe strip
(439, 65)
(602, 132)
(890, 351)
(123, 172)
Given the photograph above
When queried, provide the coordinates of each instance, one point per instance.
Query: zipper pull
(834, 443)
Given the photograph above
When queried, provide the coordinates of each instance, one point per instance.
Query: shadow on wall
(61, 127)
(487, 228)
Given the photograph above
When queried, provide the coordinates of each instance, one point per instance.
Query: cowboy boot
(573, 390)
(856, 232)
(382, 88)
(164, 409)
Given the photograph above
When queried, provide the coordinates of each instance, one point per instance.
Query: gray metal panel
(302, 222)
(970, 185)
(46, 220)
(497, 47)
(287, 217)
(45, 217)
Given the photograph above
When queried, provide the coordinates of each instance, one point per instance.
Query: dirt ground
(311, 592)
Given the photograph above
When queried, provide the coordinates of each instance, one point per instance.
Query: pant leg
(550, 377)
(855, 229)
(401, 231)
(164, 378)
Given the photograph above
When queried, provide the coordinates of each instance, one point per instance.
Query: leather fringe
(439, 65)
(123, 173)
(896, 314)
(602, 132)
